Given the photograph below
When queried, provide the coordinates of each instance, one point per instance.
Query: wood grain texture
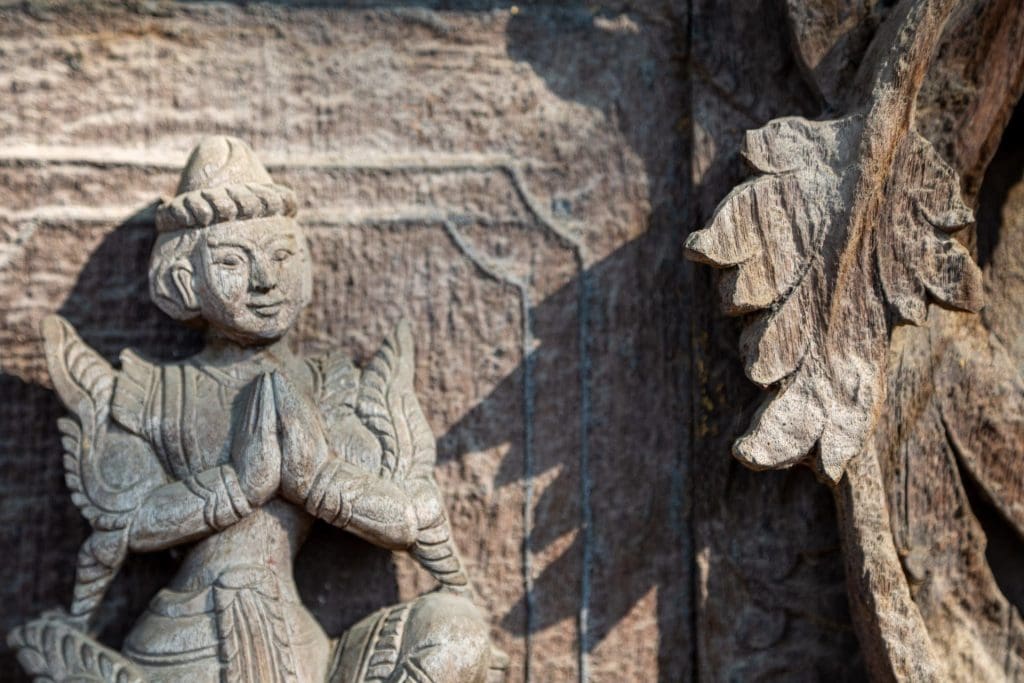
(519, 184)
(945, 446)
(509, 182)
(907, 632)
(837, 237)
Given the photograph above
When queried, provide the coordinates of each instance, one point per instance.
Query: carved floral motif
(844, 234)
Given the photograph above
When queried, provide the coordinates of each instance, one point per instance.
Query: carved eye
(282, 254)
(228, 261)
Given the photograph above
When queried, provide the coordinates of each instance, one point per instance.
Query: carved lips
(267, 309)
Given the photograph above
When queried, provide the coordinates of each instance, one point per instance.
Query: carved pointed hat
(223, 181)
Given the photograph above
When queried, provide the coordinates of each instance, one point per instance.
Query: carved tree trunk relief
(914, 620)
(519, 180)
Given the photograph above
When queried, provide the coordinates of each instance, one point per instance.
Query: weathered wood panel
(510, 179)
(518, 178)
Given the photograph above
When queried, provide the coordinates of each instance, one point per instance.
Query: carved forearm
(331, 488)
(185, 511)
(349, 497)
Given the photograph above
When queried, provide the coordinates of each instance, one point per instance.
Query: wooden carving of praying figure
(233, 453)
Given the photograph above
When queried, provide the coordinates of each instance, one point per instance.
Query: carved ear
(183, 278)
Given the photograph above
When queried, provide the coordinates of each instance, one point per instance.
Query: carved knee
(446, 639)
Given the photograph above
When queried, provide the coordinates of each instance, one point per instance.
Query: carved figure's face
(251, 278)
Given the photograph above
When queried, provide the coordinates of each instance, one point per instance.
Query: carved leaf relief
(917, 259)
(826, 291)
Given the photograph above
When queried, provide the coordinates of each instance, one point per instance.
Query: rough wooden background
(518, 179)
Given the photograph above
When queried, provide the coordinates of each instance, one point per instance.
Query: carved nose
(262, 279)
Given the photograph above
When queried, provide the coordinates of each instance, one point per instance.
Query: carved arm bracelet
(185, 511)
(349, 497)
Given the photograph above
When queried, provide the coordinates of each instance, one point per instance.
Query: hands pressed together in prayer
(282, 449)
(282, 444)
(256, 451)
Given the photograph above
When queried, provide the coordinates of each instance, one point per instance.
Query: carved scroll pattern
(843, 235)
(884, 255)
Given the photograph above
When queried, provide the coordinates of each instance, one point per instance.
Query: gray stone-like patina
(234, 453)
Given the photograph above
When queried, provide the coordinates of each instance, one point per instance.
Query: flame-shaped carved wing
(85, 383)
(103, 482)
(387, 404)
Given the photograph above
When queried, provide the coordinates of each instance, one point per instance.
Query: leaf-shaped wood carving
(844, 233)
(51, 649)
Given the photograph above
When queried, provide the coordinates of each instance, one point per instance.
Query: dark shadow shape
(638, 319)
(109, 304)
(342, 578)
(1003, 173)
(37, 527)
(643, 530)
(1003, 547)
(1006, 171)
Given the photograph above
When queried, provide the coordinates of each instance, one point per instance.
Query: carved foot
(54, 648)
